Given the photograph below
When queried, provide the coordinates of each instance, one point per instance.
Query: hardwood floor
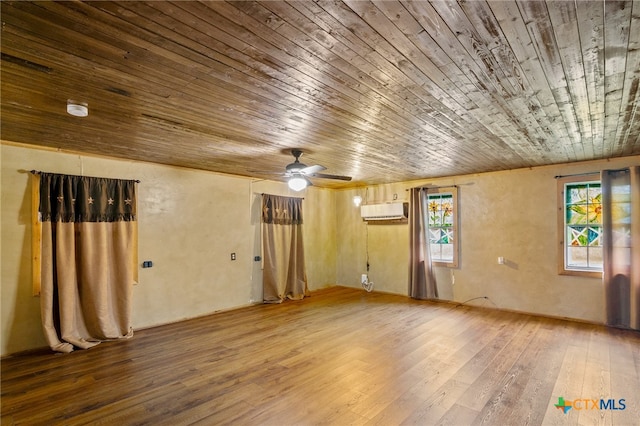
(339, 357)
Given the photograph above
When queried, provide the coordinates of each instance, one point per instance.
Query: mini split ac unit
(387, 211)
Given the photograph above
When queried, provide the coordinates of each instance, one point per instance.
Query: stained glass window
(583, 226)
(441, 219)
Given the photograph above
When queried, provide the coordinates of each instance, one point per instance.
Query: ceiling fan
(298, 173)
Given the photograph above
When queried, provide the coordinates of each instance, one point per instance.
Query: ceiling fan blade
(310, 170)
(324, 176)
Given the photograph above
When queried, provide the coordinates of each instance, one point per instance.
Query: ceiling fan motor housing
(295, 167)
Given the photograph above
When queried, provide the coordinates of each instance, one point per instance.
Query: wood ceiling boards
(383, 91)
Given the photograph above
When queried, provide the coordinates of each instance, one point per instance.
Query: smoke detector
(77, 109)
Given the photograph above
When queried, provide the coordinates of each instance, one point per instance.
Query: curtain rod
(37, 172)
(626, 169)
(264, 193)
(431, 187)
(576, 174)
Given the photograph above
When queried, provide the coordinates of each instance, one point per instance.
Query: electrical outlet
(364, 279)
(233, 256)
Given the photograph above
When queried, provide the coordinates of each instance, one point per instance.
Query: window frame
(562, 226)
(453, 190)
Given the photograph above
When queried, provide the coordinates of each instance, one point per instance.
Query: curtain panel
(422, 281)
(284, 274)
(621, 244)
(87, 262)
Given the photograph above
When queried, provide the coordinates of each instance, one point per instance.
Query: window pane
(447, 252)
(577, 236)
(594, 212)
(434, 236)
(434, 212)
(595, 257)
(621, 213)
(576, 194)
(594, 192)
(577, 257)
(576, 214)
(621, 205)
(447, 212)
(621, 236)
(594, 236)
(446, 236)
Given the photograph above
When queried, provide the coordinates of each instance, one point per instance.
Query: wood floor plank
(624, 384)
(541, 366)
(342, 356)
(568, 385)
(458, 415)
(597, 382)
(494, 371)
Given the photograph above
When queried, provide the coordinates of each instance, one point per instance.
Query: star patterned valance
(69, 198)
(281, 210)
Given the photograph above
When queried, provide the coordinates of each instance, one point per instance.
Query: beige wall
(189, 223)
(510, 214)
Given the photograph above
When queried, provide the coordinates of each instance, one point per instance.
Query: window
(443, 229)
(580, 226)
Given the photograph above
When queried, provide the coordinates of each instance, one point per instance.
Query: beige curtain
(621, 244)
(88, 256)
(284, 275)
(422, 281)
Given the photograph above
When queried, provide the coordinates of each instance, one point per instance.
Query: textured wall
(190, 222)
(510, 214)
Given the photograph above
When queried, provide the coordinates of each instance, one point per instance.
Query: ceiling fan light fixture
(298, 174)
(77, 109)
(297, 183)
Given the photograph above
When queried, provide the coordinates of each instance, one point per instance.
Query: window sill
(587, 274)
(445, 264)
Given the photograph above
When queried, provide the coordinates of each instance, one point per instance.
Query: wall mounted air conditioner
(387, 211)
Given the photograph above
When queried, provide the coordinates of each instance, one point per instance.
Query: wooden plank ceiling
(383, 91)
